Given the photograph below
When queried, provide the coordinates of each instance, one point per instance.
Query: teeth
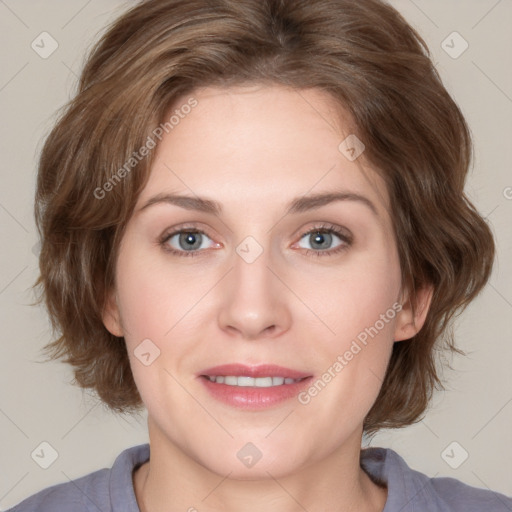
(259, 382)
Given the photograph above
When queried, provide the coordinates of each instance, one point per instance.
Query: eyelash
(322, 228)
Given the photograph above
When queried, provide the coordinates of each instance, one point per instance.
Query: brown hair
(364, 55)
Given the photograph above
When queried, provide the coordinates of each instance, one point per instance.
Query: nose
(254, 300)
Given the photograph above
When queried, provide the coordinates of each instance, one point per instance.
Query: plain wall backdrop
(467, 434)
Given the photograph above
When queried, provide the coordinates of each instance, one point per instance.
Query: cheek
(352, 363)
(359, 304)
(352, 297)
(159, 304)
(153, 297)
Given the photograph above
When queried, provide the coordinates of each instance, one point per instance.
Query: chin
(254, 461)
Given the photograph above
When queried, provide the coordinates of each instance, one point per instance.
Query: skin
(254, 149)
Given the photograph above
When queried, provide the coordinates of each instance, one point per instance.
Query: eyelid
(188, 226)
(340, 231)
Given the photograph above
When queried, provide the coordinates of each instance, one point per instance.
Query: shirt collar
(122, 493)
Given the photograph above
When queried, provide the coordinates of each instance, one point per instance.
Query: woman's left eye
(321, 240)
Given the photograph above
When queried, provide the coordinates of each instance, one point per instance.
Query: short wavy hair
(366, 56)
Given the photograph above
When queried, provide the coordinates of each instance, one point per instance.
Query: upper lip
(262, 370)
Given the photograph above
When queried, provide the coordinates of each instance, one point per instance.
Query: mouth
(253, 387)
(258, 382)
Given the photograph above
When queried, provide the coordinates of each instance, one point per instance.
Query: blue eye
(321, 239)
(188, 242)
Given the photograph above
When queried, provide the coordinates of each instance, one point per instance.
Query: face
(255, 266)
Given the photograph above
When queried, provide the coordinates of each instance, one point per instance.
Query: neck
(173, 481)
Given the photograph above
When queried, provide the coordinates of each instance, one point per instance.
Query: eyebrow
(297, 205)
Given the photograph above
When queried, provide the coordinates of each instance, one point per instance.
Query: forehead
(262, 144)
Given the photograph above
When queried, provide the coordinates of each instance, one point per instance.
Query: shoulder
(411, 490)
(463, 497)
(108, 489)
(68, 496)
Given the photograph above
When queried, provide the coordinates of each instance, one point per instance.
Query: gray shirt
(111, 490)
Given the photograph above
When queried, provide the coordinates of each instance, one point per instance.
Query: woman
(253, 225)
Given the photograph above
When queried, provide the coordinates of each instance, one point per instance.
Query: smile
(244, 381)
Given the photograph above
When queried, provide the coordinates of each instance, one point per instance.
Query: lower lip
(251, 397)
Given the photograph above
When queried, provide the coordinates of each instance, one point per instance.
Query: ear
(408, 324)
(111, 317)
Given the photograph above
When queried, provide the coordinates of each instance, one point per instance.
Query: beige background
(38, 404)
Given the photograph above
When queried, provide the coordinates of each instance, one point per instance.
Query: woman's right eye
(185, 242)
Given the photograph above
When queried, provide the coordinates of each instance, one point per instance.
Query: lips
(262, 370)
(247, 387)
